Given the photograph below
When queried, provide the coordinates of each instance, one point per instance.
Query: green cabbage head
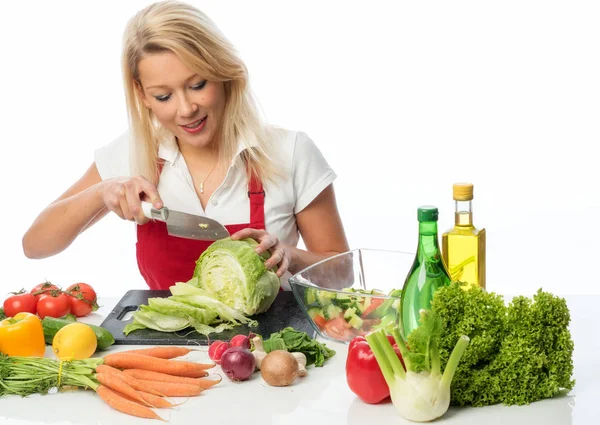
(232, 272)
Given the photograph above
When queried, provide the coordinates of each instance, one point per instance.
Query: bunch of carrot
(135, 381)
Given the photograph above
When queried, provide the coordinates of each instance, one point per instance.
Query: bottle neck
(463, 215)
(428, 238)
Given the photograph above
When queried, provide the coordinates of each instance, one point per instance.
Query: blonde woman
(196, 144)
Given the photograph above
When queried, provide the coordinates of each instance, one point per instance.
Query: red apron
(164, 260)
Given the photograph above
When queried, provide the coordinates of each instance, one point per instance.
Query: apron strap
(257, 203)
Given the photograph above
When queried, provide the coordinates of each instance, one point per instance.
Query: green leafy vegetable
(187, 307)
(518, 354)
(146, 317)
(232, 272)
(200, 299)
(178, 307)
(291, 340)
(230, 282)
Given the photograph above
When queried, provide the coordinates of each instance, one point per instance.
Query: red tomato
(339, 328)
(320, 321)
(54, 305)
(19, 303)
(83, 299)
(46, 286)
(375, 302)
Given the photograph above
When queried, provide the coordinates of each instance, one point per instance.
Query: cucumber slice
(348, 314)
(324, 297)
(345, 296)
(313, 312)
(359, 307)
(343, 303)
(355, 321)
(310, 296)
(331, 311)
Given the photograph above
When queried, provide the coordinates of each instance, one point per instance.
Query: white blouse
(307, 174)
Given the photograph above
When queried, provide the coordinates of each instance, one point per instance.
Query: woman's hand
(124, 196)
(280, 253)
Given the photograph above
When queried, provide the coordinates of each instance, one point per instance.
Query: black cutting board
(284, 312)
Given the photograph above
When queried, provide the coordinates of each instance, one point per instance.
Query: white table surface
(323, 397)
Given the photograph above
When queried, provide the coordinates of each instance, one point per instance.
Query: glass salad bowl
(352, 293)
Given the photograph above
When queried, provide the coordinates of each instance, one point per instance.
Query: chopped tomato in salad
(352, 312)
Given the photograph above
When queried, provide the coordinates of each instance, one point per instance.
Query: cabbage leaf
(232, 272)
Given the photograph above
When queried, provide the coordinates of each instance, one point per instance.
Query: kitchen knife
(186, 225)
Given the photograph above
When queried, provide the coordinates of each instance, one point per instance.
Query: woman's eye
(163, 98)
(199, 86)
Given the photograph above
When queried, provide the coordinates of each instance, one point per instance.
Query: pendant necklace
(206, 178)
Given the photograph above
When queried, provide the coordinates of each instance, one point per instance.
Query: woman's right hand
(124, 196)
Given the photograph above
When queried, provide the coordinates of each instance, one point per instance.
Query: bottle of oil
(427, 273)
(463, 246)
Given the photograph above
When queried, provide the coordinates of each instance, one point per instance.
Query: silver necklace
(206, 178)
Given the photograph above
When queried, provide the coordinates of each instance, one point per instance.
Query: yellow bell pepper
(22, 335)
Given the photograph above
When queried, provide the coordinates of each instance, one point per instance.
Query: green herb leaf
(291, 340)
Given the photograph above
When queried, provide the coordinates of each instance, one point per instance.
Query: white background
(403, 100)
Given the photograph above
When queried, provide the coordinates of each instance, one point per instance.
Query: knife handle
(154, 214)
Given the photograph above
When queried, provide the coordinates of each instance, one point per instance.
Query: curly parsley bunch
(518, 353)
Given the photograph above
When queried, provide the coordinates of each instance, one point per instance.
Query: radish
(216, 350)
(240, 341)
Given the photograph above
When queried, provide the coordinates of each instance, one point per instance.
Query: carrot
(120, 403)
(170, 367)
(207, 383)
(128, 379)
(171, 389)
(156, 401)
(162, 352)
(117, 384)
(161, 377)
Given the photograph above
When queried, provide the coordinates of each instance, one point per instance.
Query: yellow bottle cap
(462, 191)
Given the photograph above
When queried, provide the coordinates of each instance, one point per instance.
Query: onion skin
(238, 363)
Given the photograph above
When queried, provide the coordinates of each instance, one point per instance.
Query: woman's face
(184, 102)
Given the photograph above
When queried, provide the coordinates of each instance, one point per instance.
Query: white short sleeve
(112, 160)
(311, 172)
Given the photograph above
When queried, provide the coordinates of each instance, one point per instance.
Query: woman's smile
(195, 127)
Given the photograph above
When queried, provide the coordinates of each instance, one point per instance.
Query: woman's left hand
(280, 253)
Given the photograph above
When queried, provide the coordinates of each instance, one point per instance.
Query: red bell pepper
(363, 374)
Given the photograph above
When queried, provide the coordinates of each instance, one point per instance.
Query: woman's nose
(186, 108)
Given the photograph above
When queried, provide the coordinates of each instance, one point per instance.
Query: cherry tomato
(19, 303)
(46, 286)
(83, 299)
(54, 305)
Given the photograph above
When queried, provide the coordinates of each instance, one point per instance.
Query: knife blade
(185, 225)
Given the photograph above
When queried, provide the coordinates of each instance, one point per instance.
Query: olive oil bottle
(463, 246)
(427, 273)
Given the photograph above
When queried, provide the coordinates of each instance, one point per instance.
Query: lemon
(76, 341)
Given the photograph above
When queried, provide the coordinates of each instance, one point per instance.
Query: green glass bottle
(427, 274)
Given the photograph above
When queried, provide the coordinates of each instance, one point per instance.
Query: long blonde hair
(188, 33)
